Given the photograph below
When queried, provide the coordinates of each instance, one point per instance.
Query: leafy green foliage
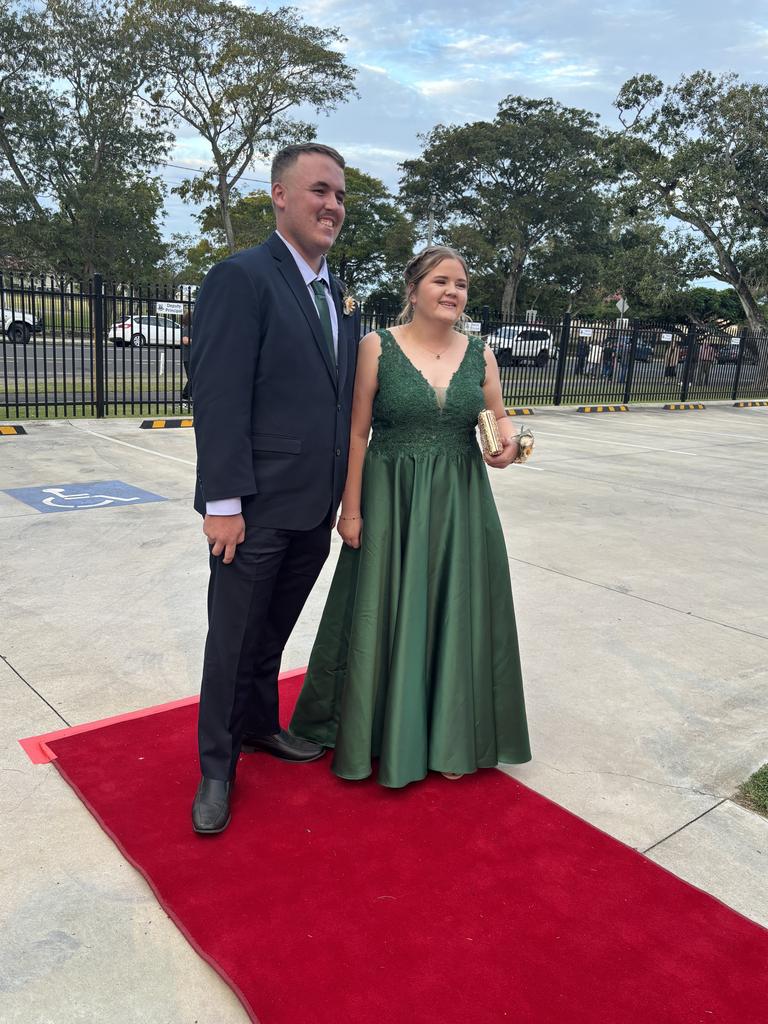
(76, 147)
(505, 189)
(374, 245)
(377, 238)
(234, 75)
(697, 151)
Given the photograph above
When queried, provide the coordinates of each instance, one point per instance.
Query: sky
(428, 63)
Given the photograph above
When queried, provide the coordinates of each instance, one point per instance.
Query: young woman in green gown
(416, 661)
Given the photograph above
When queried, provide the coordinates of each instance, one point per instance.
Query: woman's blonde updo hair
(419, 267)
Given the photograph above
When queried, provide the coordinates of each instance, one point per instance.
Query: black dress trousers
(253, 605)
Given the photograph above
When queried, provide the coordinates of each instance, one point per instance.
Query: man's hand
(224, 533)
(506, 457)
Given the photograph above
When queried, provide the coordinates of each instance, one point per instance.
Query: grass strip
(754, 792)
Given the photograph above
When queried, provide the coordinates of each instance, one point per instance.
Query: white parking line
(619, 444)
(127, 444)
(630, 430)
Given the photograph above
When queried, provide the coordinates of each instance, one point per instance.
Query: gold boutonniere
(350, 305)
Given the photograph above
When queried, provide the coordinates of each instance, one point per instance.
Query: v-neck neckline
(433, 388)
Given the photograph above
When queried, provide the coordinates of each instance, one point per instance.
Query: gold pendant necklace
(437, 355)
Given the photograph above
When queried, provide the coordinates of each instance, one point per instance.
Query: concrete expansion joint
(6, 661)
(685, 825)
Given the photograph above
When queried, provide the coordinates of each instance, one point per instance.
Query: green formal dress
(416, 660)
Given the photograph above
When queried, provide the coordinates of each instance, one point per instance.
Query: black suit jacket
(271, 412)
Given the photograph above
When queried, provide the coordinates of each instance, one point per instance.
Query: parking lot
(637, 550)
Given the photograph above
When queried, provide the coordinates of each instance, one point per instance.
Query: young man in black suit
(274, 365)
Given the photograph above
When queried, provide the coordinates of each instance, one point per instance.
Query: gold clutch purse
(490, 437)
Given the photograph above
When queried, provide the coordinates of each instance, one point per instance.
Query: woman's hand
(506, 457)
(350, 529)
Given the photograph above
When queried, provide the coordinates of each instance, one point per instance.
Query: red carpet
(471, 902)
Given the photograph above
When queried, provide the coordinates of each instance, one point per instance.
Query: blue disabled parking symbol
(74, 497)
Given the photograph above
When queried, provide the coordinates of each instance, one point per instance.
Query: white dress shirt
(233, 506)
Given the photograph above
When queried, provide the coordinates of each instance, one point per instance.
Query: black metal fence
(109, 350)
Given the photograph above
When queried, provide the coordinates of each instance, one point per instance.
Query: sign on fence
(474, 326)
(585, 332)
(177, 308)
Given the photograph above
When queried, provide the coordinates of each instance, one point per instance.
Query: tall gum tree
(76, 144)
(525, 179)
(234, 75)
(376, 240)
(697, 152)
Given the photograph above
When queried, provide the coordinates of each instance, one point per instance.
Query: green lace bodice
(411, 418)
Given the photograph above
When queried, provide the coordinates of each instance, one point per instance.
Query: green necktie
(318, 287)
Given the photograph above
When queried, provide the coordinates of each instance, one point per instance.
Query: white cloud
(423, 65)
(445, 86)
(486, 47)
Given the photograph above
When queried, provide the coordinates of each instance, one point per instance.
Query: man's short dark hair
(290, 154)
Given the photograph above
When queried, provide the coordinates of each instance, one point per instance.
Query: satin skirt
(416, 660)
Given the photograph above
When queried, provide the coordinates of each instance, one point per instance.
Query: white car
(145, 330)
(19, 327)
(516, 344)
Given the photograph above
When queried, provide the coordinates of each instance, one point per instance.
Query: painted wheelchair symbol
(58, 498)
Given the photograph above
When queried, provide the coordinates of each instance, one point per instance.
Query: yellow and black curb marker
(160, 424)
(676, 406)
(603, 408)
(519, 412)
(750, 405)
(9, 429)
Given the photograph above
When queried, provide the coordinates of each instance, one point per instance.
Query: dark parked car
(617, 339)
(728, 352)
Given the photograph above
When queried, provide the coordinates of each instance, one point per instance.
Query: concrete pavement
(638, 555)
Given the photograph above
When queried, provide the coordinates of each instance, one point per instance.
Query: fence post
(485, 320)
(631, 360)
(690, 360)
(562, 356)
(739, 362)
(97, 298)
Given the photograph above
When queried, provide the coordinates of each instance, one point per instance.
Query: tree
(233, 75)
(508, 186)
(697, 151)
(704, 307)
(375, 242)
(377, 238)
(75, 148)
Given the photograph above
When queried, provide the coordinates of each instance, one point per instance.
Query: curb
(527, 411)
(603, 408)
(160, 424)
(9, 429)
(750, 405)
(677, 406)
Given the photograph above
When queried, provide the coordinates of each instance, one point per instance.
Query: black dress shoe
(210, 809)
(283, 745)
